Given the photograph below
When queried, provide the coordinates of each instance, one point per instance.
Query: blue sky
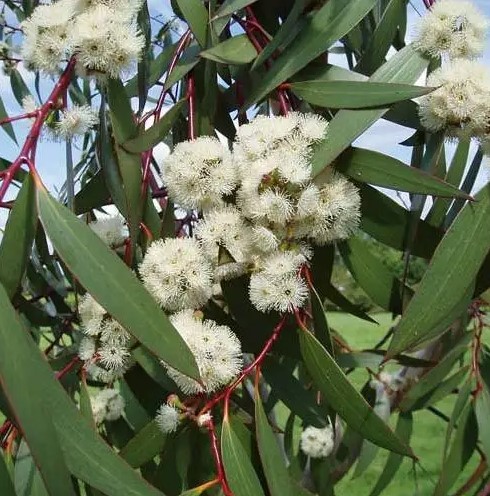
(383, 136)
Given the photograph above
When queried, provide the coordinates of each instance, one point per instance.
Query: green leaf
(388, 222)
(293, 394)
(338, 299)
(482, 411)
(6, 484)
(129, 165)
(107, 159)
(240, 473)
(285, 34)
(372, 275)
(372, 167)
(85, 403)
(196, 17)
(382, 38)
(143, 447)
(19, 87)
(149, 138)
(18, 237)
(236, 50)
(27, 478)
(454, 175)
(433, 378)
(403, 431)
(461, 401)
(230, 6)
(122, 118)
(7, 127)
(272, 458)
(87, 456)
(190, 58)
(335, 19)
(450, 275)
(113, 285)
(18, 378)
(344, 399)
(404, 67)
(443, 390)
(94, 194)
(355, 94)
(460, 453)
(158, 67)
(322, 329)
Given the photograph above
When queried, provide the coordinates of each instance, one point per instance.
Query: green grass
(428, 430)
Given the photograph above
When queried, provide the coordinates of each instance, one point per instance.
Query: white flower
(111, 230)
(277, 286)
(275, 206)
(313, 127)
(114, 333)
(91, 315)
(264, 239)
(461, 104)
(44, 48)
(204, 419)
(263, 135)
(114, 356)
(216, 349)
(97, 373)
(485, 144)
(29, 104)
(108, 404)
(317, 443)
(284, 293)
(177, 274)
(126, 9)
(46, 42)
(106, 43)
(281, 263)
(167, 418)
(76, 121)
(224, 227)
(455, 27)
(86, 349)
(330, 213)
(199, 173)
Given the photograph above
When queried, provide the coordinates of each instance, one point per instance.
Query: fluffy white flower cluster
(108, 405)
(75, 121)
(101, 33)
(111, 230)
(278, 211)
(216, 349)
(460, 105)
(317, 443)
(177, 274)
(168, 418)
(104, 347)
(453, 27)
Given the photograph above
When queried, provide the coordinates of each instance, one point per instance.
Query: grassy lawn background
(428, 430)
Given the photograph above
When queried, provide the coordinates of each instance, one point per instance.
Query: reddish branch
(217, 458)
(157, 111)
(27, 154)
(252, 26)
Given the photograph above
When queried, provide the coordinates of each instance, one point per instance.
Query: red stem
(217, 458)
(156, 112)
(28, 115)
(226, 393)
(191, 95)
(28, 151)
(75, 361)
